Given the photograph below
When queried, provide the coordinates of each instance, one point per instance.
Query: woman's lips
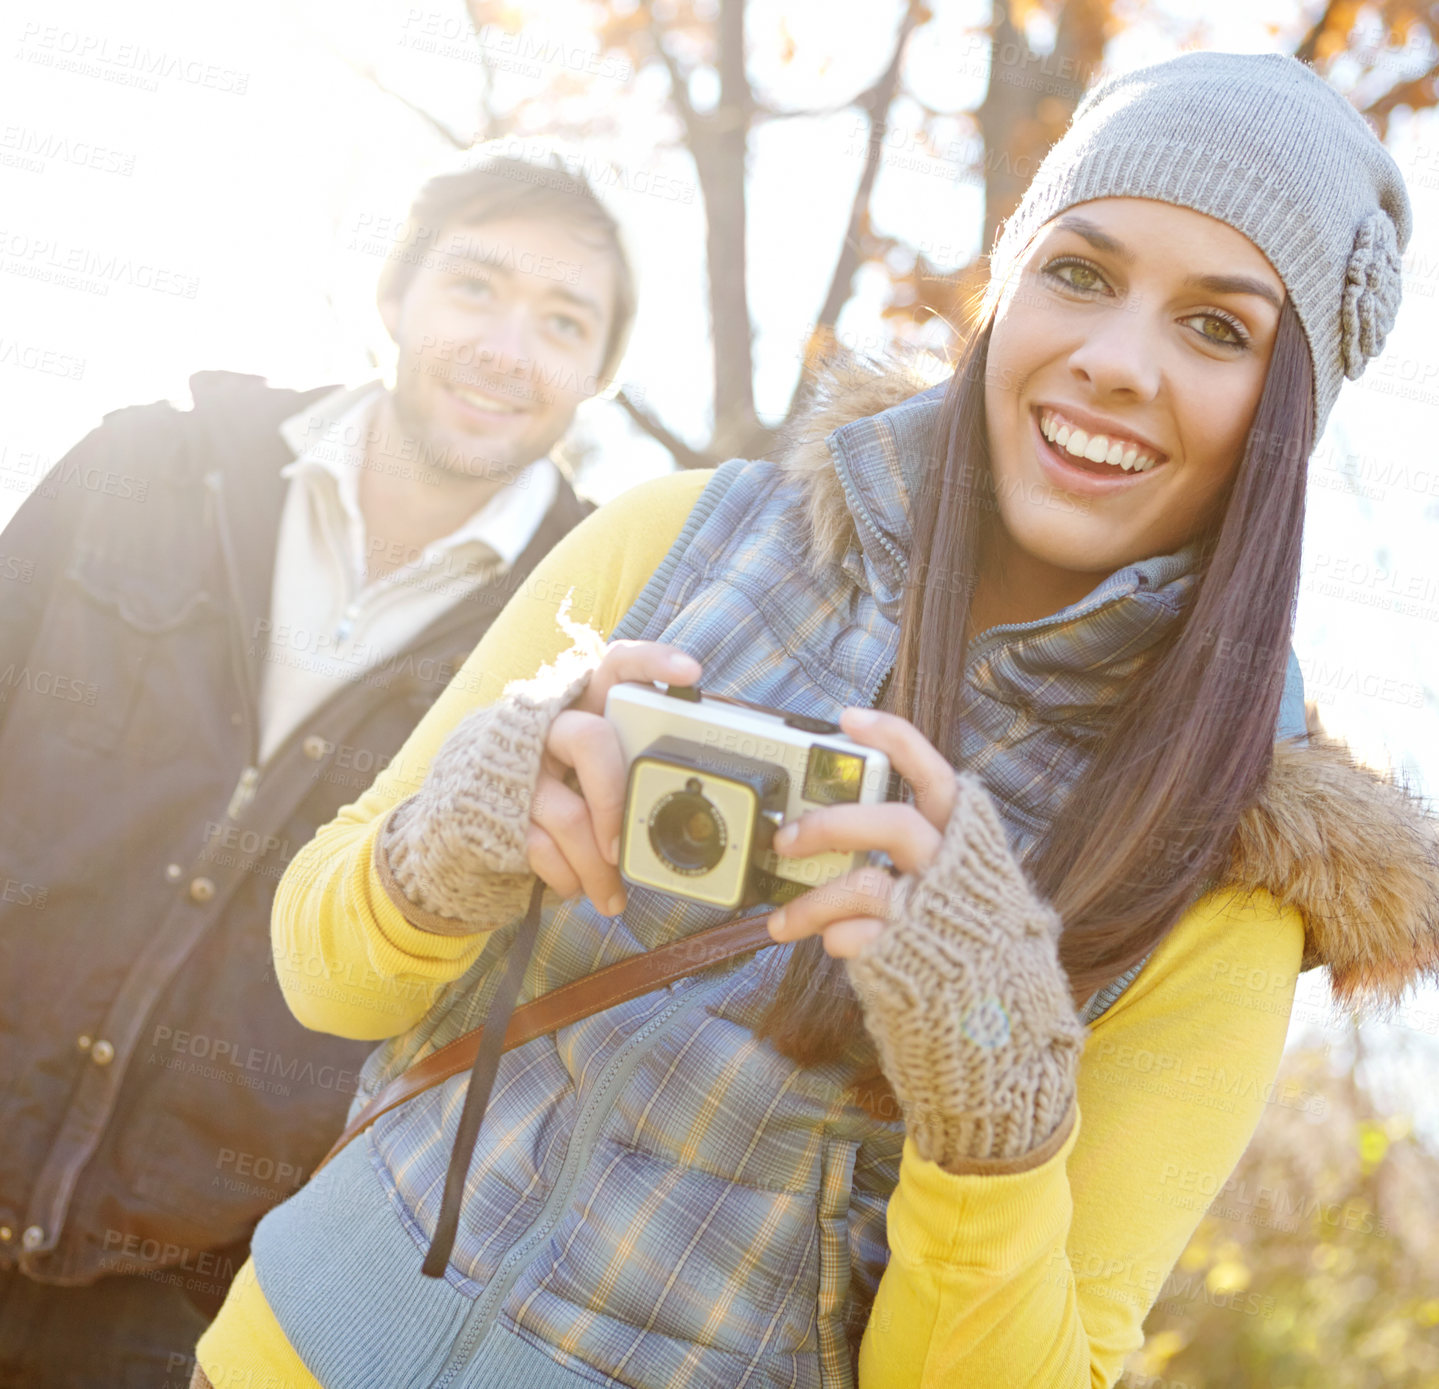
(1073, 474)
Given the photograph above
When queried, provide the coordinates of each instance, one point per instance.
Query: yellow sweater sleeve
(347, 960)
(1042, 1279)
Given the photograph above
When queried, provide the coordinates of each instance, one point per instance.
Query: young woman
(1066, 579)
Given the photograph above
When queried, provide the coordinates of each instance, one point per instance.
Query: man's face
(501, 334)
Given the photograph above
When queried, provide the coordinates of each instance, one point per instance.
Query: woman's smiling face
(1150, 325)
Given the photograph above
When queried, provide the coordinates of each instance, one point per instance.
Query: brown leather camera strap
(616, 983)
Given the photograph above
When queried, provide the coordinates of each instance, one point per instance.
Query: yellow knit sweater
(1036, 1278)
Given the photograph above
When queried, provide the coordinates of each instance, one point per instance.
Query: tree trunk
(720, 158)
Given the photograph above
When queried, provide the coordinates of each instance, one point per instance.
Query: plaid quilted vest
(657, 1198)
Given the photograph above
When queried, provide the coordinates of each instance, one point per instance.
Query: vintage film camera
(710, 780)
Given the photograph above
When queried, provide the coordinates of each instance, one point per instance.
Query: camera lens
(687, 832)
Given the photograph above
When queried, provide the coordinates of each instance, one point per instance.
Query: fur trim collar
(849, 389)
(1358, 855)
(1354, 851)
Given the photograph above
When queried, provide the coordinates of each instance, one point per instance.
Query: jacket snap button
(201, 890)
(33, 1237)
(83, 1041)
(173, 872)
(314, 747)
(102, 1053)
(6, 1234)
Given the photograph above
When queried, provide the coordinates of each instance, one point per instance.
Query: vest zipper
(582, 1142)
(852, 500)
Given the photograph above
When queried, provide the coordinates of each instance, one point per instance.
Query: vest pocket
(662, 1274)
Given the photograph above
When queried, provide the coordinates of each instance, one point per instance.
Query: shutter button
(201, 889)
(806, 724)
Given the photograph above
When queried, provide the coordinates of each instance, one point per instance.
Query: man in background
(221, 644)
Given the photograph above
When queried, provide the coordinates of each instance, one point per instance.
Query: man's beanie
(1263, 143)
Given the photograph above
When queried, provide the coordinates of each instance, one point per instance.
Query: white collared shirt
(329, 623)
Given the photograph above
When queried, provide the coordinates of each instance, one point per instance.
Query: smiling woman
(1066, 578)
(1117, 336)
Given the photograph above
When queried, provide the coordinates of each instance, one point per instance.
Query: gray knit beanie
(1263, 143)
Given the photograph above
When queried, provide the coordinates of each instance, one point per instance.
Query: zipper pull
(243, 793)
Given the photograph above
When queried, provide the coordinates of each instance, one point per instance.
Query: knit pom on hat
(1373, 284)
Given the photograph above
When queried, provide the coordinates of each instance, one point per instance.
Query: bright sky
(184, 187)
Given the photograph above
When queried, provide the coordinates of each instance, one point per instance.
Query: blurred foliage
(700, 55)
(1316, 1265)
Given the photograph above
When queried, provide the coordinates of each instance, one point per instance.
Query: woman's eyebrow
(1215, 284)
(1234, 284)
(1100, 240)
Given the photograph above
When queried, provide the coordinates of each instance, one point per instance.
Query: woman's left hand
(955, 962)
(850, 911)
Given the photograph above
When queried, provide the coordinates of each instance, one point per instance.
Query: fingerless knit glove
(967, 1002)
(453, 856)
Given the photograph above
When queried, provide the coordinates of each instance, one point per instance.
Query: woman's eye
(1080, 276)
(1085, 277)
(1236, 337)
(474, 286)
(567, 325)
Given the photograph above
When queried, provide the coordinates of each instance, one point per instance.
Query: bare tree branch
(875, 102)
(721, 147)
(433, 121)
(679, 87)
(1309, 44)
(1417, 91)
(764, 112)
(492, 124)
(683, 454)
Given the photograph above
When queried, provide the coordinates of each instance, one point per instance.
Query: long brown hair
(1150, 819)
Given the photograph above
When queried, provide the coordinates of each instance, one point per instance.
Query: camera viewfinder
(833, 777)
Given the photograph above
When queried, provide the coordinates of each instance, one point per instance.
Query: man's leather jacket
(158, 1095)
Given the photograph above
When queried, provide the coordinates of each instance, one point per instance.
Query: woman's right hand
(498, 804)
(579, 800)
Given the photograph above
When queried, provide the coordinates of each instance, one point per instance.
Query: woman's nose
(1120, 354)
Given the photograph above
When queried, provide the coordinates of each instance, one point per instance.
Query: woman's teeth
(1096, 448)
